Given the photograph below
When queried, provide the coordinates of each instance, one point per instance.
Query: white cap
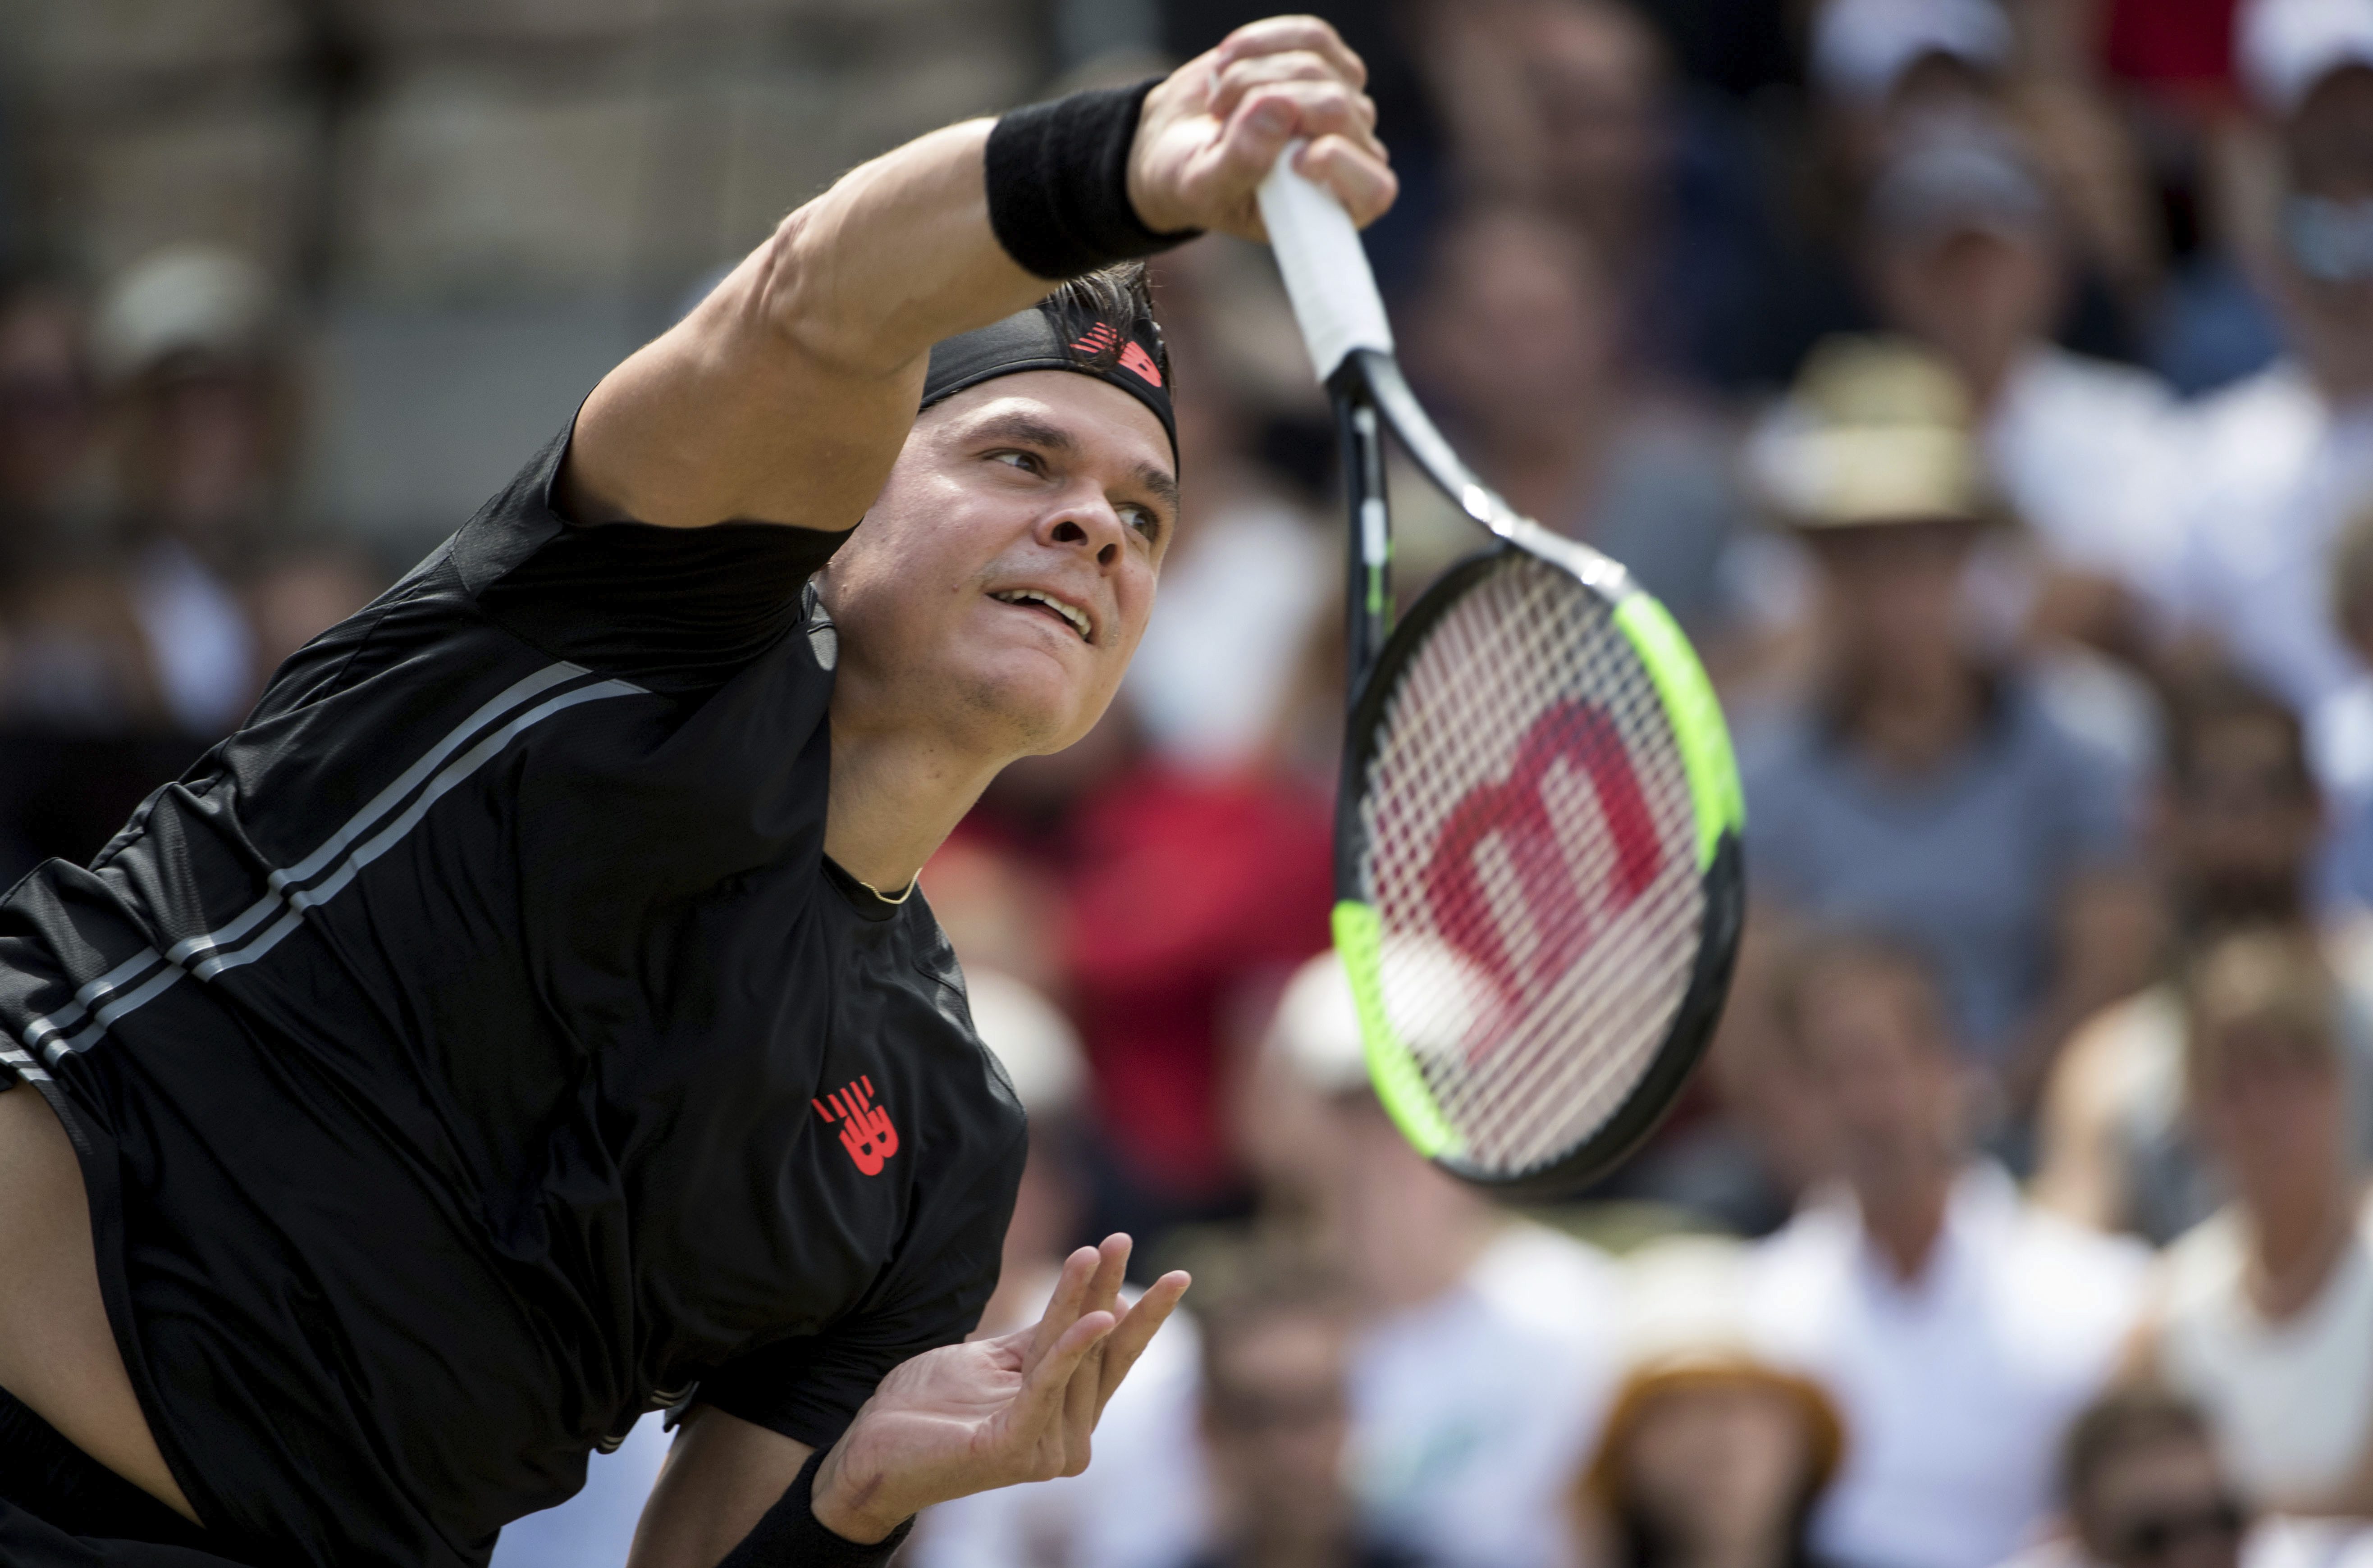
(2285, 47)
(1441, 1004)
(1029, 1034)
(1861, 47)
(182, 299)
(1316, 1029)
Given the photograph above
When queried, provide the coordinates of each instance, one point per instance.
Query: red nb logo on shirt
(865, 1130)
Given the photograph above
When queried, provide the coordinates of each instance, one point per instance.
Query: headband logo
(1100, 338)
(1137, 359)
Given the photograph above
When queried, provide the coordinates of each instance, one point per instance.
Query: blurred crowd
(1987, 386)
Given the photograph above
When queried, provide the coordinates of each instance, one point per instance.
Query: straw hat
(1877, 430)
(1684, 1326)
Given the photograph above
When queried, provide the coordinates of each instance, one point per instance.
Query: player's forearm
(896, 256)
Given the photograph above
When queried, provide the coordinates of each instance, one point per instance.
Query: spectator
(187, 343)
(1276, 1413)
(1478, 1362)
(1519, 340)
(2236, 821)
(1965, 255)
(1924, 786)
(47, 417)
(2278, 462)
(2261, 1312)
(1714, 1457)
(2141, 1487)
(1956, 1326)
(1569, 107)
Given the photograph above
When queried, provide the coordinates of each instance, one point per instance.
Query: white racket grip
(1326, 269)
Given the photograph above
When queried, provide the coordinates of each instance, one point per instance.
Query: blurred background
(1986, 384)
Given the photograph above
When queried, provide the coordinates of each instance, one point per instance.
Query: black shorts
(60, 1508)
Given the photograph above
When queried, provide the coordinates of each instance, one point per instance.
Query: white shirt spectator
(1955, 1386)
(2085, 453)
(2292, 1402)
(2273, 474)
(1473, 1413)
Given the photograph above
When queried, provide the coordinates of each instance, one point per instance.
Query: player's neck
(897, 795)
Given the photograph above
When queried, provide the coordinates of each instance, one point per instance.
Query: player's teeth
(1032, 596)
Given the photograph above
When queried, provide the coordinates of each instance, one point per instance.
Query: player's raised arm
(785, 395)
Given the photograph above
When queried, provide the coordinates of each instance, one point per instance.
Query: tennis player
(525, 1021)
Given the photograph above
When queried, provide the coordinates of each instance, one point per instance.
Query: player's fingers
(1034, 1416)
(1363, 184)
(1064, 1307)
(1082, 1404)
(1273, 35)
(1135, 1332)
(1228, 89)
(1111, 1272)
(1271, 117)
(1322, 108)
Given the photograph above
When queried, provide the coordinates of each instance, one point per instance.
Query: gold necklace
(911, 883)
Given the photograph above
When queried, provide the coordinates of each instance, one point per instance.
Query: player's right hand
(1209, 134)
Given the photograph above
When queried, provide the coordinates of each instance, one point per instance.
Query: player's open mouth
(1070, 615)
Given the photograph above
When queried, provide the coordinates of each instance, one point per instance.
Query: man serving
(525, 1021)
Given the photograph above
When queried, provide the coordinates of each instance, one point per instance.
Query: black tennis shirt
(477, 1049)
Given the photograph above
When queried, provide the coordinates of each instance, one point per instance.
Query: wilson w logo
(865, 1130)
(1565, 910)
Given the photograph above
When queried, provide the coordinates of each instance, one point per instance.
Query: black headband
(1131, 357)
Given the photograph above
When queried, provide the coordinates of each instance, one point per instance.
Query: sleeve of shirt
(673, 608)
(809, 1389)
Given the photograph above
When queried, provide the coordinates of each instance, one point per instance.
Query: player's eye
(1028, 462)
(1144, 519)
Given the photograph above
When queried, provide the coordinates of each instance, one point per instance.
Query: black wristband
(1057, 178)
(789, 1536)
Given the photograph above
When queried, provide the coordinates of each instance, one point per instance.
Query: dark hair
(1120, 294)
(2139, 1415)
(2213, 698)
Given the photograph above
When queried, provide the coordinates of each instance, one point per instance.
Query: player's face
(998, 586)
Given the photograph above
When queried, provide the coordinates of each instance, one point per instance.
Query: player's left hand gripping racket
(1536, 842)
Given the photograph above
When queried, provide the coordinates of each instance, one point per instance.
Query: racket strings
(1531, 857)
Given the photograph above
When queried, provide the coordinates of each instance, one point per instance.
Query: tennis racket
(1537, 838)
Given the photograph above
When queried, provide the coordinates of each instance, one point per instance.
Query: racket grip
(1326, 275)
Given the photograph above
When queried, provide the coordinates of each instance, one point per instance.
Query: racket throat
(1368, 599)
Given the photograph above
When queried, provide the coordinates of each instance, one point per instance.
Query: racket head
(1538, 871)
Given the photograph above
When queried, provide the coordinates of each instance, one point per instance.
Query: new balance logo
(1101, 339)
(1137, 359)
(865, 1130)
